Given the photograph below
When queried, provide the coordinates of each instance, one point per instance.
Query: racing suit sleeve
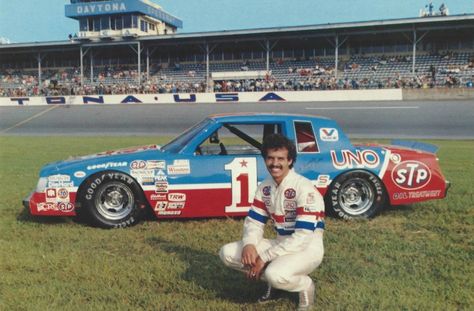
(309, 217)
(255, 221)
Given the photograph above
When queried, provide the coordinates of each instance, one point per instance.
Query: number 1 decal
(244, 183)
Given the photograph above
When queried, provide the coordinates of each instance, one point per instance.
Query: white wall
(244, 97)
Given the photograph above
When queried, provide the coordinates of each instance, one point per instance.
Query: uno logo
(411, 175)
(138, 164)
(359, 159)
(290, 193)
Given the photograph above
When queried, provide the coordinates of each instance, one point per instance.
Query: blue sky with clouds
(44, 20)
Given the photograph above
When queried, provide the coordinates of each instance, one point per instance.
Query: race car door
(221, 178)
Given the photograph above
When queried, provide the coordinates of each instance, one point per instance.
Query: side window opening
(237, 139)
(305, 138)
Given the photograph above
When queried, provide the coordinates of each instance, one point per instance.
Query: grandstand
(422, 52)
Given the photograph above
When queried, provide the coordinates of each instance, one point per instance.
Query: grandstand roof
(329, 29)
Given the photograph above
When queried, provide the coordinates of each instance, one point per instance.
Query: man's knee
(277, 278)
(225, 254)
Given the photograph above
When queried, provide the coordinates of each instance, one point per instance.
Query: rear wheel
(112, 200)
(356, 194)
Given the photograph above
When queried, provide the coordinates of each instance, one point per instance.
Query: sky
(44, 20)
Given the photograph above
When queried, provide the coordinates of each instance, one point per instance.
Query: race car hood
(107, 159)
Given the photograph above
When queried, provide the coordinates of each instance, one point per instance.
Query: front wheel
(111, 200)
(356, 194)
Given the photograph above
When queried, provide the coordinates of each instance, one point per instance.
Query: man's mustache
(275, 166)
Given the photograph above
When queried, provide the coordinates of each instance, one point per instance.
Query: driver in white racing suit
(297, 211)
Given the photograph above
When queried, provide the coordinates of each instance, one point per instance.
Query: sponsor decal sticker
(290, 193)
(161, 176)
(65, 207)
(411, 175)
(51, 194)
(63, 194)
(328, 134)
(80, 174)
(156, 164)
(179, 167)
(395, 157)
(158, 197)
(346, 159)
(106, 165)
(416, 194)
(60, 181)
(161, 205)
(169, 213)
(161, 187)
(46, 206)
(176, 205)
(323, 181)
(177, 197)
(138, 164)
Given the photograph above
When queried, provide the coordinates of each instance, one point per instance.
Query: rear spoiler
(415, 145)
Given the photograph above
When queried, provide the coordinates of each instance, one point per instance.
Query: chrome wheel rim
(114, 201)
(356, 196)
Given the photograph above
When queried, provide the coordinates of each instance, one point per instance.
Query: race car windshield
(177, 144)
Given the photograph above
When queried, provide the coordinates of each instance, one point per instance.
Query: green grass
(417, 257)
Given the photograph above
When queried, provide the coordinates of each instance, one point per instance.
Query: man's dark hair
(278, 141)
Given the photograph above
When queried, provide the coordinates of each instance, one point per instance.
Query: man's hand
(255, 272)
(249, 255)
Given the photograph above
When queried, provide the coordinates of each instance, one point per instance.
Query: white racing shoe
(306, 298)
(268, 296)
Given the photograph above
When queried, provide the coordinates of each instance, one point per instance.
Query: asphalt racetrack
(392, 119)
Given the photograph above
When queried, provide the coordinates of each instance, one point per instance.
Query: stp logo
(290, 193)
(138, 164)
(411, 175)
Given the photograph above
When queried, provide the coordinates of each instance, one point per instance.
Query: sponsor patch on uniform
(289, 205)
(266, 190)
(290, 193)
(310, 199)
(328, 134)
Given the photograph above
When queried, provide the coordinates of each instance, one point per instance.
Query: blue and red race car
(213, 169)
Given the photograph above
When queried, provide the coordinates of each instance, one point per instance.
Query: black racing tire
(355, 194)
(112, 199)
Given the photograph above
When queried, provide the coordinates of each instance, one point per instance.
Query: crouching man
(297, 211)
